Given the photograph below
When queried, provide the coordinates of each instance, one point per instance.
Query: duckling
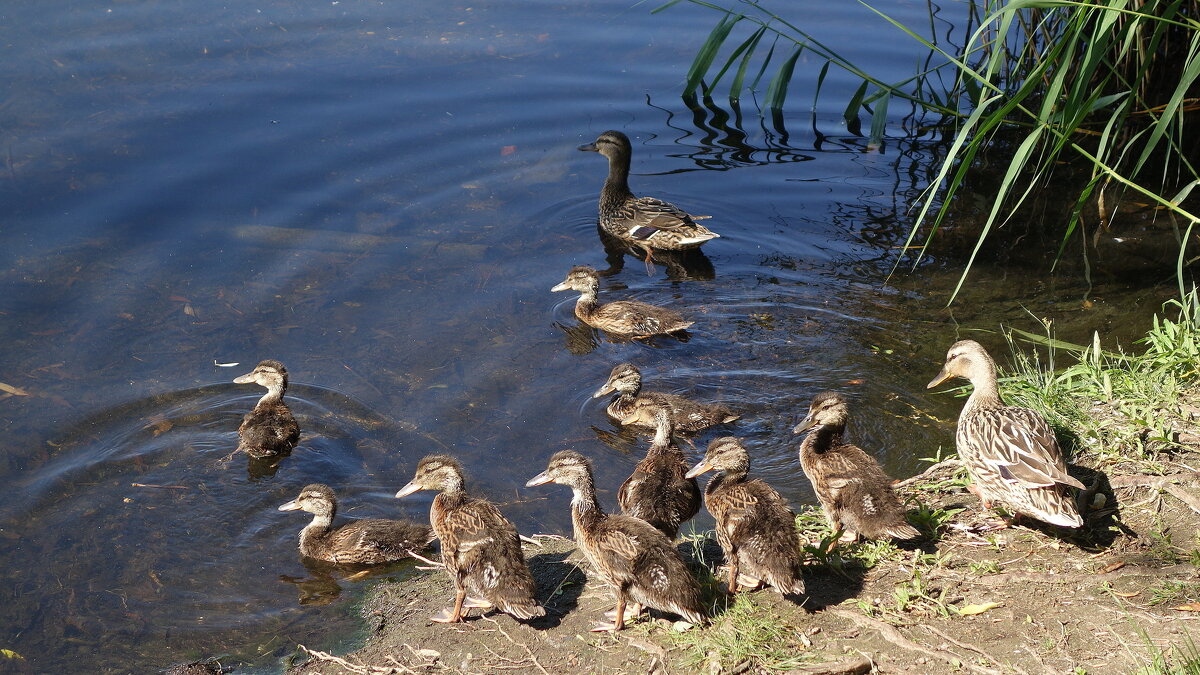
(657, 491)
(624, 318)
(639, 561)
(1011, 453)
(370, 541)
(480, 547)
(755, 527)
(645, 223)
(855, 494)
(269, 429)
(632, 406)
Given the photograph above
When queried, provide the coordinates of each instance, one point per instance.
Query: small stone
(681, 626)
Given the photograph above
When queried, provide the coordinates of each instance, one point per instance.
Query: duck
(369, 541)
(657, 491)
(481, 549)
(755, 527)
(644, 223)
(623, 318)
(1011, 453)
(855, 493)
(640, 562)
(270, 429)
(633, 406)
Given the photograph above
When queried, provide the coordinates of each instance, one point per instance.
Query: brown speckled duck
(370, 541)
(633, 406)
(657, 491)
(269, 429)
(1011, 453)
(755, 527)
(645, 223)
(854, 492)
(640, 562)
(480, 547)
(623, 318)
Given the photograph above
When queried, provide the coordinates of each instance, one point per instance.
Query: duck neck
(986, 393)
(274, 395)
(453, 485)
(586, 304)
(320, 525)
(616, 186)
(584, 507)
(827, 437)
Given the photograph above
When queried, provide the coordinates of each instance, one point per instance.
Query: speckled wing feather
(376, 540)
(756, 523)
(638, 318)
(856, 493)
(633, 555)
(660, 215)
(1019, 445)
(686, 414)
(658, 493)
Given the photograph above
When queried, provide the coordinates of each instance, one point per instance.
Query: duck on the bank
(633, 406)
(640, 562)
(657, 491)
(623, 318)
(1011, 453)
(645, 223)
(855, 493)
(480, 547)
(755, 527)
(269, 429)
(370, 541)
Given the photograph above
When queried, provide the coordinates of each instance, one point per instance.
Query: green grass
(1182, 659)
(746, 631)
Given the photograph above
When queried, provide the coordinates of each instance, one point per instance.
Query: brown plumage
(657, 491)
(480, 547)
(623, 318)
(269, 429)
(370, 541)
(755, 527)
(855, 494)
(640, 562)
(633, 406)
(1011, 453)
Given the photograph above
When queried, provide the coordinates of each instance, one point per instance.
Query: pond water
(380, 195)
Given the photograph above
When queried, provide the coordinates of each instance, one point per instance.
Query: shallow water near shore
(380, 195)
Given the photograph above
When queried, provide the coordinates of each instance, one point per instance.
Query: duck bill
(560, 287)
(941, 377)
(408, 490)
(248, 378)
(804, 425)
(608, 388)
(702, 467)
(290, 506)
(588, 147)
(540, 479)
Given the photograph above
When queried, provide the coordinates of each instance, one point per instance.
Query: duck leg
(618, 621)
(732, 584)
(649, 260)
(455, 615)
(632, 611)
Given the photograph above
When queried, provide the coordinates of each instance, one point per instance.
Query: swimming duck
(755, 527)
(632, 406)
(657, 491)
(624, 318)
(855, 494)
(369, 541)
(480, 547)
(645, 223)
(640, 562)
(1011, 453)
(269, 429)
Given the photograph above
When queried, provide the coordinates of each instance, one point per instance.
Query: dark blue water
(380, 195)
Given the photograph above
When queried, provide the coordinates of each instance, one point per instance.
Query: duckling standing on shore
(623, 318)
(755, 527)
(1011, 453)
(645, 223)
(370, 541)
(855, 494)
(657, 491)
(480, 547)
(633, 406)
(269, 429)
(640, 562)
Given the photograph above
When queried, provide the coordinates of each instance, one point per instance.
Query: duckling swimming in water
(370, 541)
(623, 318)
(269, 429)
(480, 547)
(633, 406)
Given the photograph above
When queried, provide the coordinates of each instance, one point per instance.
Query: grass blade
(777, 90)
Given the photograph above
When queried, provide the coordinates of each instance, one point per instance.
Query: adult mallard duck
(755, 527)
(632, 406)
(855, 494)
(645, 223)
(640, 562)
(657, 491)
(480, 547)
(269, 429)
(1011, 453)
(369, 541)
(623, 318)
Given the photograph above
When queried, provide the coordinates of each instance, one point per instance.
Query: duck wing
(1019, 444)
